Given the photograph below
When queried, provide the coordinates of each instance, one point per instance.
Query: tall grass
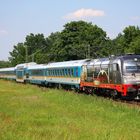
(28, 112)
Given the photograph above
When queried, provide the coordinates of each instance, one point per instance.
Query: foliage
(78, 40)
(81, 40)
(35, 46)
(4, 64)
(28, 112)
(135, 46)
(18, 54)
(128, 42)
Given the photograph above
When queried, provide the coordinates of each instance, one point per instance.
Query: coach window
(50, 72)
(68, 72)
(47, 72)
(55, 72)
(76, 72)
(72, 72)
(60, 72)
(65, 72)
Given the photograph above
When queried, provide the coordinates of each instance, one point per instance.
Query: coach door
(20, 74)
(114, 73)
(84, 73)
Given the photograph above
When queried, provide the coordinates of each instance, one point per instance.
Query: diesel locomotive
(116, 76)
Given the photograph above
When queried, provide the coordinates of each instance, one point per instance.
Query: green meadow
(28, 112)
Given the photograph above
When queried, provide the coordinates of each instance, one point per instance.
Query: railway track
(129, 102)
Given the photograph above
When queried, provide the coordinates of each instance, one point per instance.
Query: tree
(5, 64)
(37, 47)
(119, 45)
(54, 42)
(134, 46)
(18, 54)
(130, 33)
(77, 40)
(128, 41)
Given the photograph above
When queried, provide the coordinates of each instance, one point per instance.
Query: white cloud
(85, 13)
(135, 18)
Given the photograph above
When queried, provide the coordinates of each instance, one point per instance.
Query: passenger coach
(66, 74)
(8, 73)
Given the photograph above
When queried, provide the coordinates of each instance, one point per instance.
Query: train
(115, 76)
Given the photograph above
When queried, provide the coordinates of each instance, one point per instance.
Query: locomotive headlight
(125, 80)
(131, 89)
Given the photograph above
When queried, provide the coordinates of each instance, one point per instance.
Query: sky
(19, 18)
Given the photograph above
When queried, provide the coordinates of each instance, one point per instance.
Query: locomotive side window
(96, 71)
(90, 71)
(105, 68)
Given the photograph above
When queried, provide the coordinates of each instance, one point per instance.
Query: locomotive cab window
(131, 66)
(96, 71)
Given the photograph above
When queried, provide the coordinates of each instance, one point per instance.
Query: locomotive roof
(129, 56)
(68, 63)
(8, 69)
(103, 61)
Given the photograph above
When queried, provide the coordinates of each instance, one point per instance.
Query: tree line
(78, 40)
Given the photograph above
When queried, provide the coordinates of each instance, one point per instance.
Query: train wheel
(114, 94)
(89, 90)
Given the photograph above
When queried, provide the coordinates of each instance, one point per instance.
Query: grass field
(28, 112)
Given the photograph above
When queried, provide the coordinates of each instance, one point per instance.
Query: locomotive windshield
(132, 65)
